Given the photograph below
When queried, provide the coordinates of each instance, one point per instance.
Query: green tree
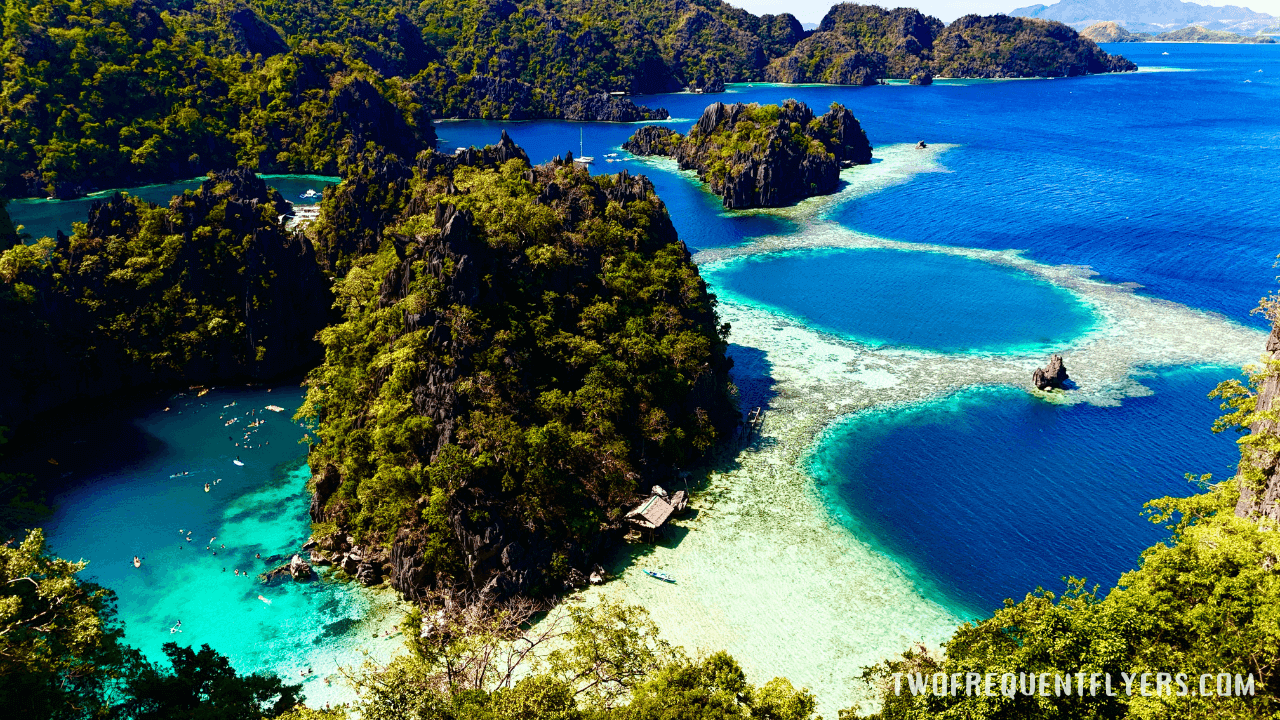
(202, 685)
(60, 643)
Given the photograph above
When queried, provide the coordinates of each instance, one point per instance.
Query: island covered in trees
(522, 351)
(762, 155)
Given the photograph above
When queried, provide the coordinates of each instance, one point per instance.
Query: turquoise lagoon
(1166, 180)
(135, 486)
(920, 300)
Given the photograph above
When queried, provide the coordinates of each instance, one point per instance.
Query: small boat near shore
(660, 576)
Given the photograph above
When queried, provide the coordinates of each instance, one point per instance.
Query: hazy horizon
(812, 11)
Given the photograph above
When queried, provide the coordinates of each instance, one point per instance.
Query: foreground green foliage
(608, 664)
(201, 684)
(59, 642)
(61, 655)
(525, 345)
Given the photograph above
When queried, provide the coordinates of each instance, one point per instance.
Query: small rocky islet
(762, 155)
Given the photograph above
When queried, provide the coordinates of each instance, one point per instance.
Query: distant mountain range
(1109, 32)
(1153, 16)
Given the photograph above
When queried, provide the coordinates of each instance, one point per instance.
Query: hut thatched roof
(652, 512)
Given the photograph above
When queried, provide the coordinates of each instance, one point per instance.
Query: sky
(811, 11)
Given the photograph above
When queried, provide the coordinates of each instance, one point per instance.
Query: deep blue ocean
(1165, 179)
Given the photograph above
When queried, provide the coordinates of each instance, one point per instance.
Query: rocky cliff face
(1258, 478)
(374, 196)
(769, 156)
(250, 35)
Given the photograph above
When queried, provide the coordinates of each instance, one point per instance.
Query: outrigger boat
(660, 576)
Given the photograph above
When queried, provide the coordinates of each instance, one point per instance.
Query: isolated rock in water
(1053, 376)
(296, 568)
(299, 569)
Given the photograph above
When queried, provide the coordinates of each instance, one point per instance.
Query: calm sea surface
(1166, 179)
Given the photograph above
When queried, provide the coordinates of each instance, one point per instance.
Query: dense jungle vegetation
(521, 347)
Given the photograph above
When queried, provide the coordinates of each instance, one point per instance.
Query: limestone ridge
(606, 108)
(1263, 503)
(762, 156)
(373, 196)
(864, 44)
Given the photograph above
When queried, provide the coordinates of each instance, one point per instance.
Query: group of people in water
(250, 429)
(245, 441)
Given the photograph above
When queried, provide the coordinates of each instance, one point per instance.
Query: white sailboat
(584, 159)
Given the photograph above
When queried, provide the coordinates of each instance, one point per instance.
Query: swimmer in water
(136, 561)
(258, 555)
